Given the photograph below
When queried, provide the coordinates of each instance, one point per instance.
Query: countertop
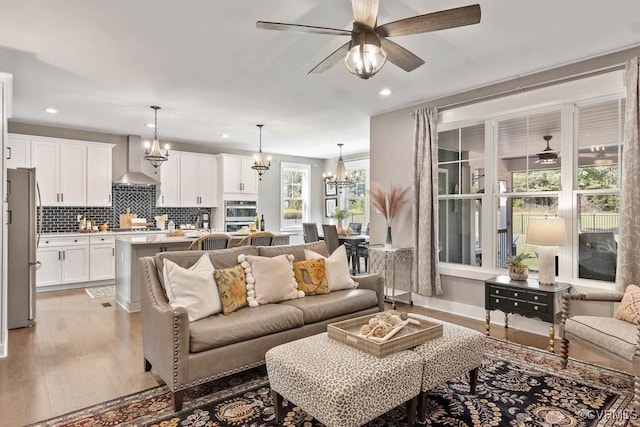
(161, 237)
(99, 233)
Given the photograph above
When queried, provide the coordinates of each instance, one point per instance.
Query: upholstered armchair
(618, 340)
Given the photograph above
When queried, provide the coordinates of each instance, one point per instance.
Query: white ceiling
(102, 63)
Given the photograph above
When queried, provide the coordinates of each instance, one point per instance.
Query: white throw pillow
(269, 279)
(336, 267)
(193, 288)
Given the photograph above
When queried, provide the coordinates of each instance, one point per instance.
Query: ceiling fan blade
(435, 21)
(263, 25)
(365, 12)
(331, 60)
(400, 56)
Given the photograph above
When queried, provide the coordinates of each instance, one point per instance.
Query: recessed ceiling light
(51, 110)
(150, 125)
(385, 92)
(224, 135)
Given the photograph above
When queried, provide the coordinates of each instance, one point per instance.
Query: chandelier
(341, 177)
(258, 159)
(152, 151)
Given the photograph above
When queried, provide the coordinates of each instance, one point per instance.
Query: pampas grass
(388, 204)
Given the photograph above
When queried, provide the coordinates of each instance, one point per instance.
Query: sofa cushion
(311, 277)
(269, 279)
(629, 308)
(219, 330)
(296, 250)
(612, 335)
(232, 288)
(193, 288)
(336, 267)
(322, 307)
(220, 258)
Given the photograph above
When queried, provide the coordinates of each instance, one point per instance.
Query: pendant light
(341, 177)
(258, 159)
(152, 151)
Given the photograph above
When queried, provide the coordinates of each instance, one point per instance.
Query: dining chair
(259, 238)
(362, 251)
(310, 230)
(211, 242)
(331, 237)
(356, 227)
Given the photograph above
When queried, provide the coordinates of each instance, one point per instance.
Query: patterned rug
(101, 291)
(517, 386)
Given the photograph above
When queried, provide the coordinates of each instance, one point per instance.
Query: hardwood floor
(81, 353)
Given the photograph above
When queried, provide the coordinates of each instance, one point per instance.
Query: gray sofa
(185, 354)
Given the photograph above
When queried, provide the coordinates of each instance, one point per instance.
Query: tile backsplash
(140, 199)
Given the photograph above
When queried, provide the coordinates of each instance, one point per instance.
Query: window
(529, 166)
(295, 195)
(461, 183)
(561, 160)
(357, 196)
(599, 139)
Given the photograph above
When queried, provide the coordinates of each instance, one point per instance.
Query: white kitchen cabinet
(102, 255)
(62, 260)
(61, 169)
(169, 194)
(237, 175)
(18, 152)
(50, 271)
(198, 180)
(99, 159)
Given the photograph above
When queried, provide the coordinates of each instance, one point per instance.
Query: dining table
(353, 240)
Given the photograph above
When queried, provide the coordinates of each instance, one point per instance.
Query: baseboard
(478, 313)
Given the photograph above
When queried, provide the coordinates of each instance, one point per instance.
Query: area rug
(517, 386)
(101, 291)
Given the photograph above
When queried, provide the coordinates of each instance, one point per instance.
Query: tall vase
(388, 243)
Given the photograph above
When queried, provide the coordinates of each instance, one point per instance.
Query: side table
(394, 265)
(524, 297)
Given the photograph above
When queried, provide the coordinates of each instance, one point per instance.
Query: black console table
(524, 297)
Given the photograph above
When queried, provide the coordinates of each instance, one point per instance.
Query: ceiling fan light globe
(365, 60)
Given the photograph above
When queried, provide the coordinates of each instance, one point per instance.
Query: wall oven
(238, 213)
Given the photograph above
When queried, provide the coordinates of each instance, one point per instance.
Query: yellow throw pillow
(311, 276)
(629, 308)
(232, 288)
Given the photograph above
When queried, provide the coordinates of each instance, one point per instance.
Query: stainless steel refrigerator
(22, 198)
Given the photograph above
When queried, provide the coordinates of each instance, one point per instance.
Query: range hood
(139, 171)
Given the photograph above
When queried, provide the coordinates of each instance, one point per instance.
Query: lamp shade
(546, 232)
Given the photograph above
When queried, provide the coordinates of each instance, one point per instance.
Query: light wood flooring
(82, 353)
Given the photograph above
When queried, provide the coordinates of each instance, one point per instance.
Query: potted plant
(518, 270)
(340, 215)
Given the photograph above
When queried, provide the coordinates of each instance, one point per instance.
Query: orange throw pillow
(629, 308)
(232, 287)
(311, 277)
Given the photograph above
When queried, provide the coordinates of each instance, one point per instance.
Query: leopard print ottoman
(340, 385)
(459, 351)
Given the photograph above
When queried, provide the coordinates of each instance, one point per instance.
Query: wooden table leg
(422, 406)
(412, 406)
(473, 380)
(487, 319)
(506, 320)
(552, 338)
(277, 405)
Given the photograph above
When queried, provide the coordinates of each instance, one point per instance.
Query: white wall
(5, 102)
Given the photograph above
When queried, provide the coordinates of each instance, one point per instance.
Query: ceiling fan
(548, 156)
(603, 155)
(368, 50)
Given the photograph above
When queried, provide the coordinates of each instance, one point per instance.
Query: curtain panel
(426, 272)
(628, 268)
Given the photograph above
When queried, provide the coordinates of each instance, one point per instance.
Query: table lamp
(546, 233)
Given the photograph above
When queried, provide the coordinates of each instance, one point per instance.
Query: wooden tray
(412, 335)
(177, 233)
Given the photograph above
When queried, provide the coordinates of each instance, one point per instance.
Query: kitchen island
(131, 247)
